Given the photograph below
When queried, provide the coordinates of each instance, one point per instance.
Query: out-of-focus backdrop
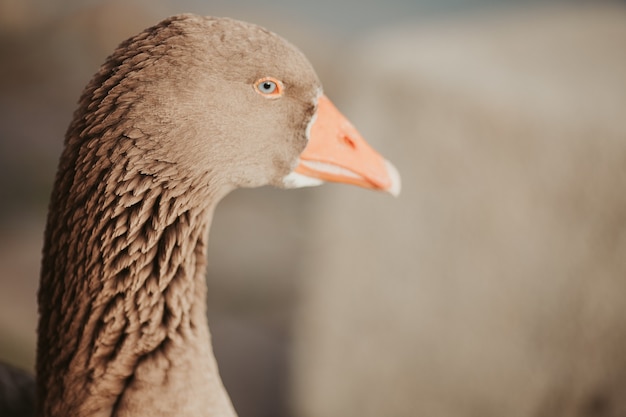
(494, 286)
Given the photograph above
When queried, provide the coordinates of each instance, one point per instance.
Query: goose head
(230, 104)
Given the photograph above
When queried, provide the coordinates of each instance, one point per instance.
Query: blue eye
(269, 87)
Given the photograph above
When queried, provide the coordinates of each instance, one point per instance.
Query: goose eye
(269, 87)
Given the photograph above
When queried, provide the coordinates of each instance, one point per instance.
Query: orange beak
(337, 152)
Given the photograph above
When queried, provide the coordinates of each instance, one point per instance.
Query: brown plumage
(169, 125)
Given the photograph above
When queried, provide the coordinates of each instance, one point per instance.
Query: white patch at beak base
(297, 180)
(309, 126)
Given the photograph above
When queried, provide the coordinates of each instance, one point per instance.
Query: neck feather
(122, 328)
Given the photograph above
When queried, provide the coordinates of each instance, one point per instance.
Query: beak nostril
(346, 140)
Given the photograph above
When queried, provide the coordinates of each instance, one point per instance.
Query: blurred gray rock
(494, 286)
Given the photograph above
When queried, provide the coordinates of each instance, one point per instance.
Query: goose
(176, 118)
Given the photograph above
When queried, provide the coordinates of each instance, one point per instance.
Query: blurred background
(493, 286)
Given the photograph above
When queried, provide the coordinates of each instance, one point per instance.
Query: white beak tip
(396, 183)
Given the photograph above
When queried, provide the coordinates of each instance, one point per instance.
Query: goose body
(177, 117)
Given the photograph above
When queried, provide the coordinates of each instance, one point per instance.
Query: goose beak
(337, 152)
